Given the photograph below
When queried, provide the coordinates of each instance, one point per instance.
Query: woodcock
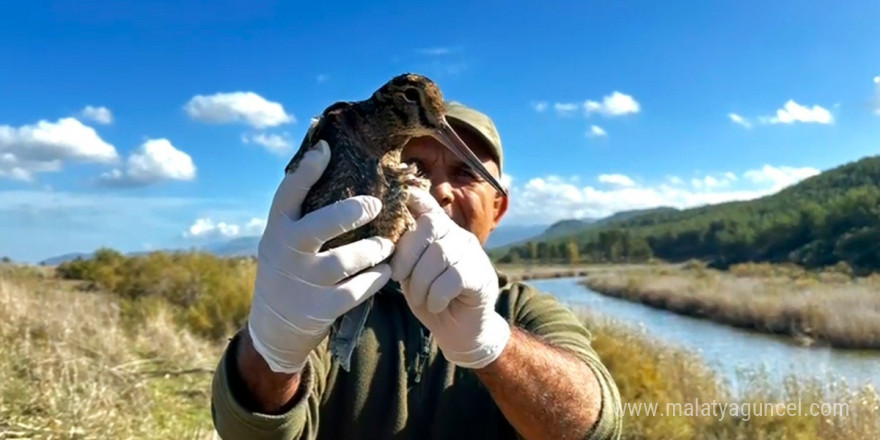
(366, 139)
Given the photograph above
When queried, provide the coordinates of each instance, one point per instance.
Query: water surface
(726, 349)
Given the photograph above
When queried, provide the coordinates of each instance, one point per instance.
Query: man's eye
(466, 172)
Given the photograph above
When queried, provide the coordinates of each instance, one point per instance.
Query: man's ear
(500, 205)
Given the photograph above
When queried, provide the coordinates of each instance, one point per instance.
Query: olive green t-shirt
(401, 387)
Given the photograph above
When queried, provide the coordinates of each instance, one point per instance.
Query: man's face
(470, 201)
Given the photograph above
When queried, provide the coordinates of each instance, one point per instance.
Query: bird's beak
(450, 139)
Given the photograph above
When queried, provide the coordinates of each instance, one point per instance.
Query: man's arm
(261, 389)
(244, 404)
(543, 391)
(451, 286)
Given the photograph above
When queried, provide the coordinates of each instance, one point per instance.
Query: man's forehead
(430, 146)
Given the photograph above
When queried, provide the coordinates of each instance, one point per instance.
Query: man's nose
(442, 191)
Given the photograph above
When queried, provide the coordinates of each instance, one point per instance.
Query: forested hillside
(826, 219)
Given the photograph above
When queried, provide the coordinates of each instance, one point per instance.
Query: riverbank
(523, 272)
(671, 393)
(828, 307)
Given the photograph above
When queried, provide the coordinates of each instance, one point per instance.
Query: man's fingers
(428, 268)
(324, 224)
(340, 263)
(361, 287)
(429, 228)
(444, 289)
(295, 185)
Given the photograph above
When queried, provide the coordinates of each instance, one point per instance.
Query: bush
(211, 294)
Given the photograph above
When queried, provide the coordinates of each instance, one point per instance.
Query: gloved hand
(450, 285)
(299, 291)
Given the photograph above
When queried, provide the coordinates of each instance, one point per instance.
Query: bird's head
(411, 105)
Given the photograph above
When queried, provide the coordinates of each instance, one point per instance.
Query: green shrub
(211, 294)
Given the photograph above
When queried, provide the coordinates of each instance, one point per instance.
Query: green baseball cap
(481, 124)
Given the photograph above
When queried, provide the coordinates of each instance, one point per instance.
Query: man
(451, 349)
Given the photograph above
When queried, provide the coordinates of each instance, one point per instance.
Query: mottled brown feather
(366, 139)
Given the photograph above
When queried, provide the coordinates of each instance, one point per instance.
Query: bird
(366, 139)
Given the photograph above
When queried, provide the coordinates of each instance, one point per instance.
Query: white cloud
(616, 179)
(238, 107)
(255, 226)
(565, 108)
(435, 51)
(779, 177)
(506, 180)
(553, 198)
(723, 180)
(278, 144)
(615, 104)
(101, 115)
(737, 119)
(44, 146)
(876, 103)
(207, 228)
(596, 131)
(156, 160)
(794, 112)
(40, 223)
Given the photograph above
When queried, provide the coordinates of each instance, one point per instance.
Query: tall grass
(828, 307)
(649, 371)
(70, 368)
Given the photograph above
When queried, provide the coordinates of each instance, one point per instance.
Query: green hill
(829, 218)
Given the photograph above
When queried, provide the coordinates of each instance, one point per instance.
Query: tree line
(829, 218)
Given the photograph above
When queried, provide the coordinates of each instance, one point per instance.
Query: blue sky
(195, 107)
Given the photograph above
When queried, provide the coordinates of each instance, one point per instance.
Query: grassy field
(91, 364)
(829, 307)
(72, 366)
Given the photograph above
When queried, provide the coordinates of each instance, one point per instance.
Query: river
(726, 349)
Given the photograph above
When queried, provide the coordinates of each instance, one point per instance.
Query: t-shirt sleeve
(233, 421)
(543, 315)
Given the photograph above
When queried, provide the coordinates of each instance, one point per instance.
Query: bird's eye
(411, 94)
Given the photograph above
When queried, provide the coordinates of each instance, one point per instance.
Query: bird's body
(366, 139)
(354, 170)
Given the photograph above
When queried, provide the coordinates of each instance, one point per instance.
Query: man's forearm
(543, 391)
(263, 390)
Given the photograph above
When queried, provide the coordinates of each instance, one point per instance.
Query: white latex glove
(450, 285)
(299, 291)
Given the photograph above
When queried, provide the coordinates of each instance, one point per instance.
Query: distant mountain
(826, 219)
(626, 215)
(506, 234)
(236, 247)
(565, 227)
(54, 261)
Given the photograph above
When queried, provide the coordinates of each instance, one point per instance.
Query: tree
(572, 256)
